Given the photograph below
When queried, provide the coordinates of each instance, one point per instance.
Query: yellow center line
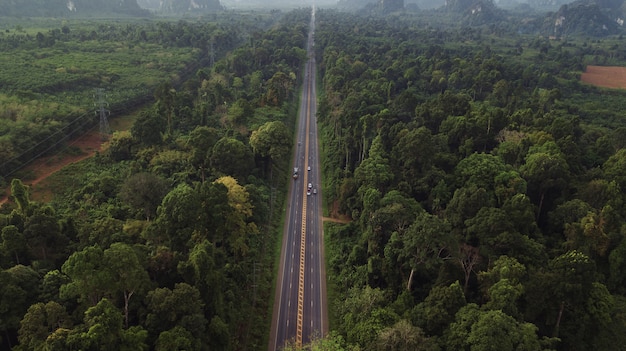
(303, 230)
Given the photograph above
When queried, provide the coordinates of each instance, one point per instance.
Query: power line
(54, 145)
(34, 147)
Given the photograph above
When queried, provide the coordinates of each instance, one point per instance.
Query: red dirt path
(605, 76)
(336, 220)
(43, 167)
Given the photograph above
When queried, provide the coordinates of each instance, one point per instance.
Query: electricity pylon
(103, 113)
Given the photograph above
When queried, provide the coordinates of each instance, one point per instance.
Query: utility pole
(212, 54)
(103, 113)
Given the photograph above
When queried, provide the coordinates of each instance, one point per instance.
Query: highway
(300, 313)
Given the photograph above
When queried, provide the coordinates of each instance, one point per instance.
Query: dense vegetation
(482, 180)
(166, 240)
(485, 187)
(49, 76)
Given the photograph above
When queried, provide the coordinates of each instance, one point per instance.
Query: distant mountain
(355, 4)
(392, 5)
(180, 6)
(547, 4)
(149, 4)
(424, 4)
(64, 8)
(475, 12)
(372, 6)
(585, 17)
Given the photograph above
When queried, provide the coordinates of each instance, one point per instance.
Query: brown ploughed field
(605, 76)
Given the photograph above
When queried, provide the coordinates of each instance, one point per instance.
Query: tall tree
(375, 170)
(237, 226)
(144, 191)
(13, 242)
(365, 315)
(43, 233)
(496, 331)
(547, 172)
(103, 330)
(468, 257)
(181, 306)
(90, 280)
(149, 128)
(21, 196)
(177, 217)
(15, 297)
(176, 339)
(165, 96)
(201, 270)
(39, 322)
(428, 242)
(128, 275)
(474, 329)
(439, 308)
(273, 141)
(404, 336)
(231, 157)
(201, 141)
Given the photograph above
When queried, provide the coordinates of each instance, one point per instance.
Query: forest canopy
(481, 182)
(165, 239)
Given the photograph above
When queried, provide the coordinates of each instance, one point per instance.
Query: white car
(308, 168)
(310, 186)
(308, 192)
(314, 191)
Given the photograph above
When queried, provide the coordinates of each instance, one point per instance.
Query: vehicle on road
(295, 173)
(309, 168)
(310, 187)
(314, 191)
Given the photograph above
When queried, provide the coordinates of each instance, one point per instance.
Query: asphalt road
(300, 313)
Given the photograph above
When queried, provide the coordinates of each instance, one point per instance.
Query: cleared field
(605, 76)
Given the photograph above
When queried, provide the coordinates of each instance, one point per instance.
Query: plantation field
(607, 77)
(69, 72)
(51, 71)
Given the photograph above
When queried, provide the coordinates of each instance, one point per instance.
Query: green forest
(480, 179)
(166, 239)
(484, 186)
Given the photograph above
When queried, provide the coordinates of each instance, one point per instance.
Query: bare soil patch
(88, 144)
(78, 149)
(605, 76)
